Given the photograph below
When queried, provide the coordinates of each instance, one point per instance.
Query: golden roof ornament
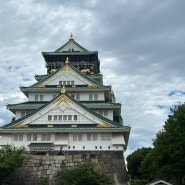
(67, 61)
(71, 36)
(63, 90)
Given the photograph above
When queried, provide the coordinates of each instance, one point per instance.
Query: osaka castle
(68, 109)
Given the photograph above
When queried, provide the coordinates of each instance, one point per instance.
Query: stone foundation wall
(38, 166)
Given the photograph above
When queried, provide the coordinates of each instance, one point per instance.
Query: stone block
(45, 167)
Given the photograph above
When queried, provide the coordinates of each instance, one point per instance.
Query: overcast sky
(141, 46)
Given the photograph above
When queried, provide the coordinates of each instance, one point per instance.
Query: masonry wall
(38, 166)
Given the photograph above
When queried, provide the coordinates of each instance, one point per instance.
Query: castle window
(41, 97)
(100, 147)
(77, 96)
(73, 147)
(34, 137)
(88, 137)
(55, 117)
(69, 117)
(72, 83)
(36, 97)
(69, 147)
(49, 118)
(29, 137)
(60, 83)
(105, 137)
(90, 97)
(105, 113)
(46, 137)
(96, 147)
(64, 82)
(65, 117)
(95, 96)
(60, 117)
(94, 137)
(77, 137)
(75, 117)
(18, 137)
(68, 82)
(83, 147)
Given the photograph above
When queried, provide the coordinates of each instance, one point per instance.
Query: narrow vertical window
(77, 96)
(60, 83)
(28, 137)
(64, 82)
(15, 137)
(94, 137)
(41, 97)
(105, 113)
(55, 117)
(34, 137)
(60, 117)
(20, 137)
(95, 96)
(65, 117)
(75, 137)
(72, 83)
(75, 117)
(68, 82)
(48, 137)
(88, 137)
(69, 117)
(49, 118)
(36, 97)
(79, 137)
(90, 97)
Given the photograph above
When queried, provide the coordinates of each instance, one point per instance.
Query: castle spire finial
(63, 90)
(71, 36)
(67, 61)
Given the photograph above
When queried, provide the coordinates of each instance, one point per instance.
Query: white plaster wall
(67, 76)
(6, 139)
(89, 145)
(49, 96)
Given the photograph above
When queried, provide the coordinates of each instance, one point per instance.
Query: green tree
(44, 181)
(168, 155)
(134, 162)
(83, 174)
(166, 160)
(11, 159)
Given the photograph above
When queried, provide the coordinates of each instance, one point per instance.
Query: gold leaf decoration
(66, 69)
(63, 99)
(40, 85)
(103, 124)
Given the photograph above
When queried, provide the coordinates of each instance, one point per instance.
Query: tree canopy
(11, 158)
(83, 174)
(166, 160)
